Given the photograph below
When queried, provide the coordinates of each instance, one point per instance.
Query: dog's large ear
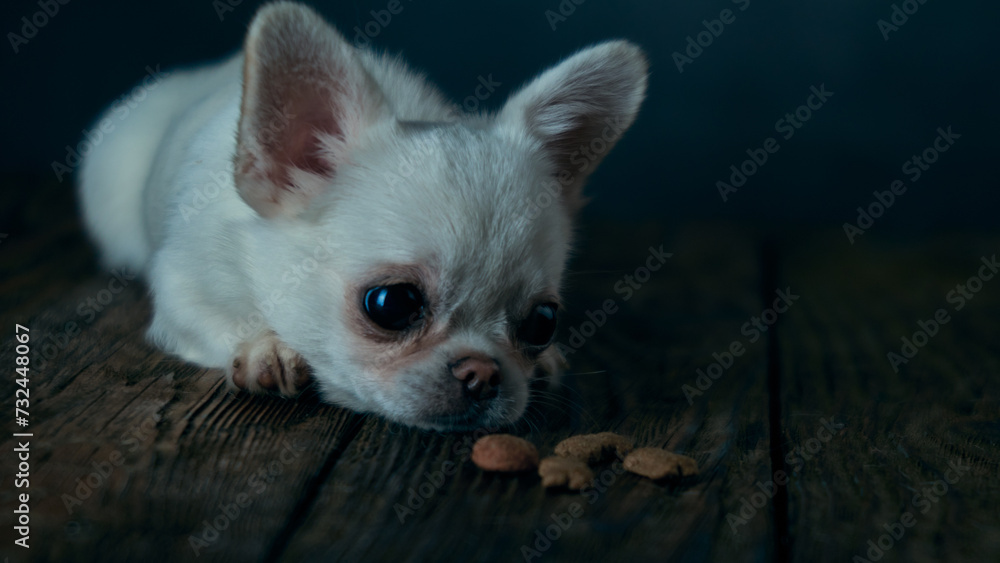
(305, 98)
(580, 108)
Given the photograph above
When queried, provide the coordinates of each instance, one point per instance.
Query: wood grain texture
(320, 483)
(149, 447)
(626, 377)
(902, 431)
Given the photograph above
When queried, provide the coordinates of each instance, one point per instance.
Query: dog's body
(308, 209)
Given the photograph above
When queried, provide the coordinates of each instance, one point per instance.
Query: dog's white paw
(267, 365)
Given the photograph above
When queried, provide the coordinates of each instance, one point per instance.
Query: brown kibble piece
(503, 452)
(565, 472)
(657, 463)
(594, 448)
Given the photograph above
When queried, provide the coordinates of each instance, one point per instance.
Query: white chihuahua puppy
(308, 210)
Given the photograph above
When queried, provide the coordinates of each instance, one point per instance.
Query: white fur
(235, 256)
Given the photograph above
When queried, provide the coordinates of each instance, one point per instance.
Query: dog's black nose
(480, 374)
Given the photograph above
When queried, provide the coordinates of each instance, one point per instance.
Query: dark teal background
(939, 69)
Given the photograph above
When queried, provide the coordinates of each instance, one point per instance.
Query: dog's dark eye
(540, 326)
(394, 307)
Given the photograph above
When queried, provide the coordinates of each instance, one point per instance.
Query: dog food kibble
(594, 448)
(503, 452)
(657, 464)
(565, 472)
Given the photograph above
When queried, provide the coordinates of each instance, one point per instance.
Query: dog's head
(414, 256)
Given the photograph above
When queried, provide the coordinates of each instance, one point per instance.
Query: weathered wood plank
(629, 378)
(37, 270)
(902, 430)
(170, 442)
(337, 498)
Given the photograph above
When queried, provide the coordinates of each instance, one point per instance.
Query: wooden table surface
(812, 445)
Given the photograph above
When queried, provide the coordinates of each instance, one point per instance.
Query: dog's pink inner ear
(579, 109)
(290, 134)
(302, 147)
(281, 157)
(305, 97)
